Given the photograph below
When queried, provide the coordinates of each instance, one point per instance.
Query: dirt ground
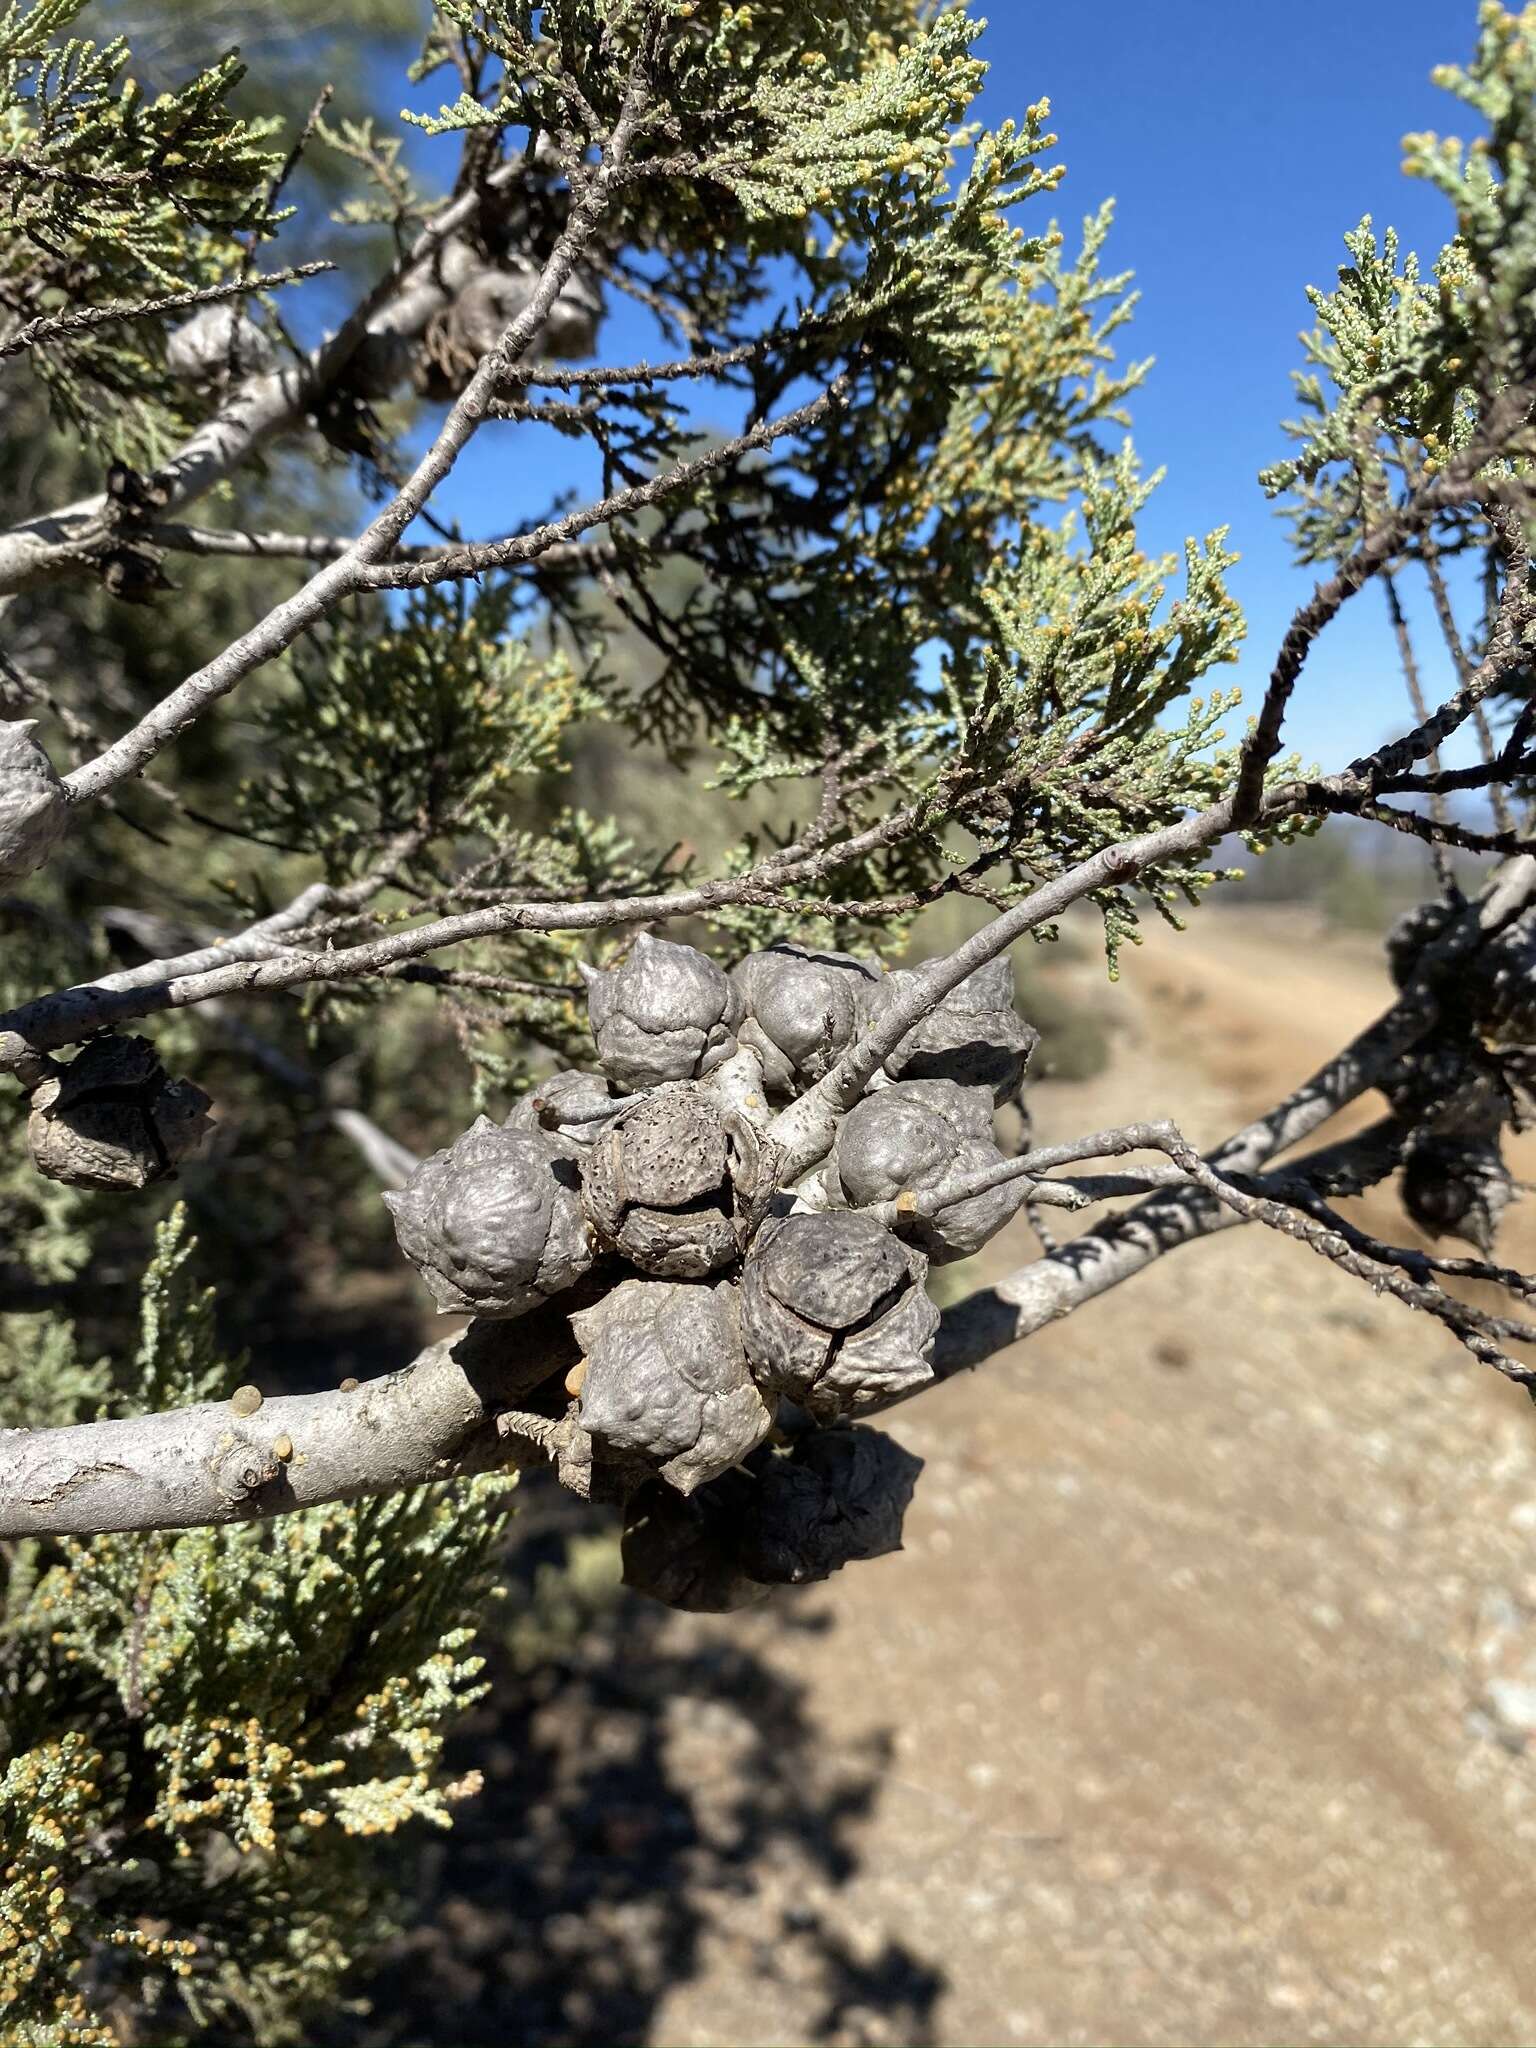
(1195, 1710)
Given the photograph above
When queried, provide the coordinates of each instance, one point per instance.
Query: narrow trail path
(1186, 1691)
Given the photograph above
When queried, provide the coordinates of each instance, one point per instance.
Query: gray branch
(439, 1418)
(339, 579)
(220, 1462)
(57, 326)
(395, 311)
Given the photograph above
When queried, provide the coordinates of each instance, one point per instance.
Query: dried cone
(34, 807)
(115, 1118)
(665, 1013)
(975, 1037)
(220, 340)
(803, 1011)
(494, 1224)
(833, 1312)
(836, 1497)
(913, 1138)
(1457, 1186)
(681, 1553)
(661, 1183)
(667, 1380)
(487, 298)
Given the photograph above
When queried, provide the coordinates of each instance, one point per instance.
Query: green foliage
(1405, 365)
(1490, 317)
(203, 1728)
(431, 723)
(108, 194)
(930, 600)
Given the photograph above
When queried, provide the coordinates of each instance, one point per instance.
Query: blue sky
(1239, 141)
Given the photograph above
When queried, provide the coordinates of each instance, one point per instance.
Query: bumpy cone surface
(661, 1181)
(666, 1013)
(975, 1037)
(803, 1010)
(1501, 985)
(494, 1224)
(833, 1312)
(218, 340)
(836, 1497)
(33, 806)
(1408, 937)
(115, 1119)
(915, 1137)
(667, 1380)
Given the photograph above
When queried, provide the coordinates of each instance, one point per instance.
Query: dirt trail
(1180, 1680)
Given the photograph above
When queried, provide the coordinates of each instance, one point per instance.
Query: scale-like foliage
(919, 615)
(107, 194)
(202, 1728)
(1404, 366)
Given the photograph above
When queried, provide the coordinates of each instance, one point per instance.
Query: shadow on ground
(640, 1785)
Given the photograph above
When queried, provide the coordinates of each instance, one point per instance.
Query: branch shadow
(656, 1799)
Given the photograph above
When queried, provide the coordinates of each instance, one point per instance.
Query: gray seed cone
(833, 1312)
(975, 1037)
(666, 1013)
(34, 808)
(803, 1010)
(791, 1518)
(219, 338)
(661, 1183)
(1501, 986)
(836, 1497)
(914, 1137)
(680, 1552)
(667, 1380)
(1410, 934)
(494, 1223)
(115, 1118)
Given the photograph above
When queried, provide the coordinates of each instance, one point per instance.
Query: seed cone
(916, 1137)
(791, 1518)
(833, 1312)
(1501, 986)
(666, 1013)
(836, 1497)
(1458, 1187)
(494, 1224)
(975, 1037)
(667, 1380)
(34, 808)
(803, 1010)
(661, 1183)
(679, 1551)
(115, 1118)
(576, 1105)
